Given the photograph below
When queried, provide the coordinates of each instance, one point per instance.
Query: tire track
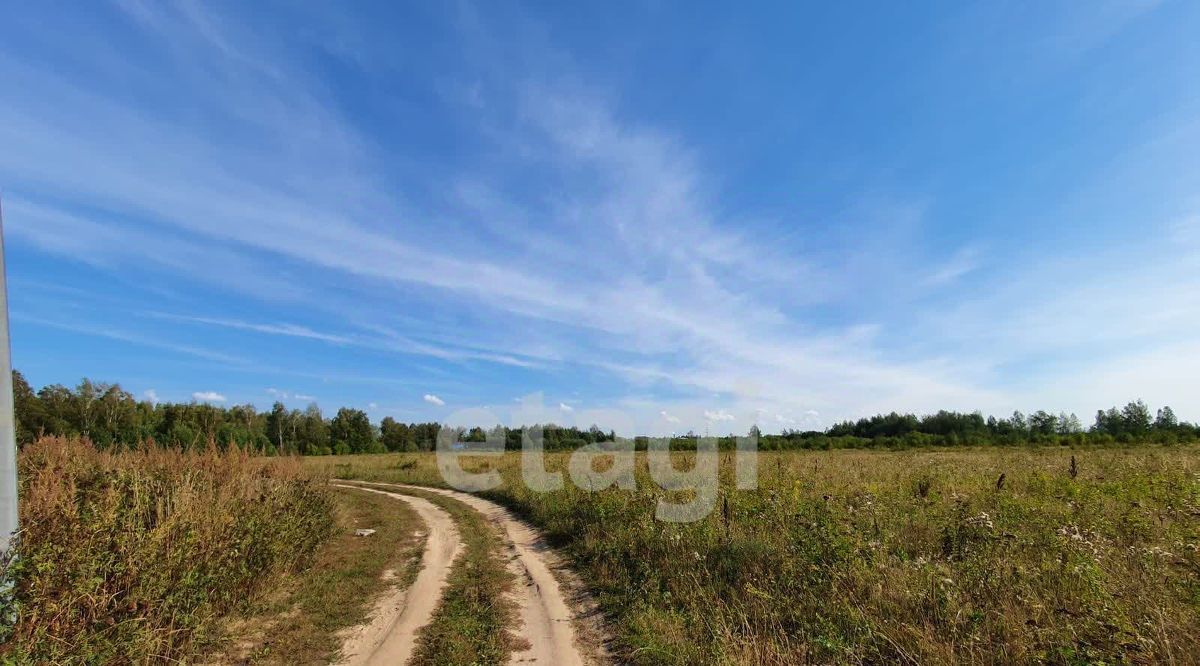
(548, 620)
(390, 636)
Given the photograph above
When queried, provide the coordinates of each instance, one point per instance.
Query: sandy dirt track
(390, 636)
(560, 628)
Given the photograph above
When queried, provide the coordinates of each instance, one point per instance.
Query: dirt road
(390, 637)
(561, 626)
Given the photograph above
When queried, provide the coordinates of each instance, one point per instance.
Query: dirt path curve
(390, 636)
(549, 621)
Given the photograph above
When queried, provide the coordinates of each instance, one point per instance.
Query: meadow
(982, 555)
(137, 556)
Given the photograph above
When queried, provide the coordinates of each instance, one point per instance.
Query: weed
(132, 556)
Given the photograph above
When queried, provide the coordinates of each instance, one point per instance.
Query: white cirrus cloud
(151, 395)
(642, 200)
(434, 400)
(305, 398)
(282, 328)
(964, 261)
(562, 406)
(208, 396)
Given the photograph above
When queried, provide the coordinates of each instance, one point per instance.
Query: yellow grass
(130, 557)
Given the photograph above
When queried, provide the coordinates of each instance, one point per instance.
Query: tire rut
(390, 637)
(561, 629)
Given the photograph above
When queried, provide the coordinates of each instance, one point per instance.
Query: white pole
(8, 437)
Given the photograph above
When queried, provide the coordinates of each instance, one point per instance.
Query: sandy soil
(390, 637)
(558, 620)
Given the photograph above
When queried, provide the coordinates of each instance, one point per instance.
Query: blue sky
(657, 217)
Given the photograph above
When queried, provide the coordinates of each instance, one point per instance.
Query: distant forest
(111, 418)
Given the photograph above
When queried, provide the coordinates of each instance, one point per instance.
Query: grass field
(135, 557)
(870, 557)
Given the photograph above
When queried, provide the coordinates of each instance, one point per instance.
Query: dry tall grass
(130, 557)
(888, 557)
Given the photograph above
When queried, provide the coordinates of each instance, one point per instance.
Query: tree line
(1132, 423)
(111, 417)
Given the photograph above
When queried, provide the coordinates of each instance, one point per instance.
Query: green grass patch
(299, 624)
(474, 621)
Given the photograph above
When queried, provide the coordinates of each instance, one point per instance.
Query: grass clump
(132, 557)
